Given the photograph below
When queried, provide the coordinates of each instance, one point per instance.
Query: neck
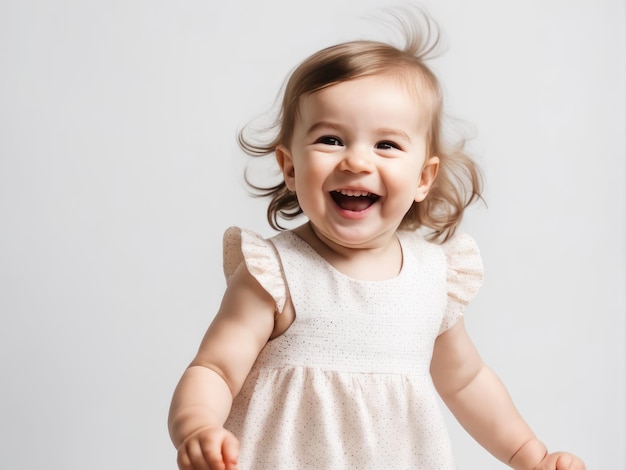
(381, 261)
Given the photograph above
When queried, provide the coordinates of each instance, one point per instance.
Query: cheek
(405, 176)
(311, 174)
(305, 180)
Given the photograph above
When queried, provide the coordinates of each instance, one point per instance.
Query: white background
(119, 173)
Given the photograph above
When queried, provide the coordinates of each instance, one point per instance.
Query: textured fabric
(347, 386)
(261, 261)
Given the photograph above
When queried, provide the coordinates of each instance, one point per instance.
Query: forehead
(378, 99)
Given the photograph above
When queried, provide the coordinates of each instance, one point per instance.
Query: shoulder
(461, 249)
(260, 258)
(459, 263)
(464, 263)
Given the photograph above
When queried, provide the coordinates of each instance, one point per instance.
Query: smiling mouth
(354, 200)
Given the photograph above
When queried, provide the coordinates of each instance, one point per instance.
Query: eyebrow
(383, 131)
(323, 124)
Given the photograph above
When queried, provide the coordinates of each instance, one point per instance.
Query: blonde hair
(458, 182)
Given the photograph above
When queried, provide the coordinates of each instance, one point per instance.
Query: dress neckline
(316, 256)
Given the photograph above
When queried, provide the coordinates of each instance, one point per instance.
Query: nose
(357, 161)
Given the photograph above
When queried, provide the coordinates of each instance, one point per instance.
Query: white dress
(347, 386)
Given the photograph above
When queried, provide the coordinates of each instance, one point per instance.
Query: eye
(329, 140)
(387, 145)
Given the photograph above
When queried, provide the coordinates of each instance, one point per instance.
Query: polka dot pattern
(347, 386)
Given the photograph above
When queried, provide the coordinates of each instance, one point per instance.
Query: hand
(560, 461)
(209, 449)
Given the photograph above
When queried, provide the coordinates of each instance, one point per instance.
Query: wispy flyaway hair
(458, 182)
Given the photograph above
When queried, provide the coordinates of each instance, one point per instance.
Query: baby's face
(357, 159)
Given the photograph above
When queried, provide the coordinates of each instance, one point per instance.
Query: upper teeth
(353, 192)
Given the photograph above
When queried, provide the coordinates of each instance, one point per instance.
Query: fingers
(190, 456)
(230, 452)
(561, 461)
(209, 450)
(569, 462)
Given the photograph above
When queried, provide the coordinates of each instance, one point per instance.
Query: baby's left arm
(479, 401)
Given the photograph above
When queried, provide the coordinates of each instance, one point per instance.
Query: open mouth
(354, 200)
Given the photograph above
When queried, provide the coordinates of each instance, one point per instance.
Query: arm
(479, 401)
(203, 397)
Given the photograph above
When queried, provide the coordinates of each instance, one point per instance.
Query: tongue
(353, 203)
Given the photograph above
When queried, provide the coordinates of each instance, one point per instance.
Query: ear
(285, 162)
(427, 178)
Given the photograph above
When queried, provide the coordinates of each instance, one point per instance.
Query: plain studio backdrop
(119, 173)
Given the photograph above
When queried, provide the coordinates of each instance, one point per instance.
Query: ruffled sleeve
(464, 274)
(261, 258)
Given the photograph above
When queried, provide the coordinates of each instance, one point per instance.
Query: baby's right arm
(203, 397)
